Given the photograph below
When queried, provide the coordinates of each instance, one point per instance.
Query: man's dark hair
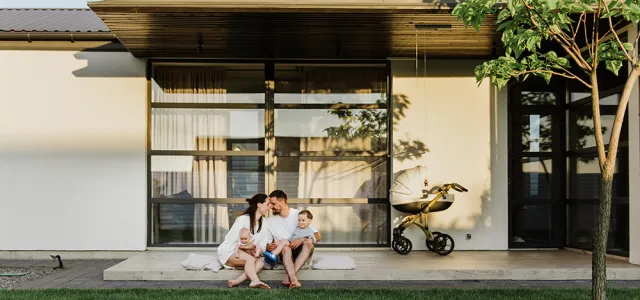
(308, 213)
(279, 194)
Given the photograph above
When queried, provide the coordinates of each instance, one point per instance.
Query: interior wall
(72, 151)
(439, 106)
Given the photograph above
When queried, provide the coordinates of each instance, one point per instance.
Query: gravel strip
(14, 281)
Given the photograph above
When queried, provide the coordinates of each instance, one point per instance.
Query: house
(138, 125)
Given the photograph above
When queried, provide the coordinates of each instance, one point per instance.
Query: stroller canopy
(407, 187)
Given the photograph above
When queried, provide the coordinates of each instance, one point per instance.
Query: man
(281, 226)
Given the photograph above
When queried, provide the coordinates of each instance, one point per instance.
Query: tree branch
(572, 76)
(617, 122)
(576, 77)
(615, 34)
(563, 43)
(635, 44)
(595, 35)
(577, 27)
(595, 107)
(586, 38)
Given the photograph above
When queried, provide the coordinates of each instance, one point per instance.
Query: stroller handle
(454, 186)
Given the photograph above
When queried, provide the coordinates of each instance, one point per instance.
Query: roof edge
(58, 36)
(263, 6)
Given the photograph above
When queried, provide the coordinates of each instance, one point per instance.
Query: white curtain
(340, 177)
(192, 129)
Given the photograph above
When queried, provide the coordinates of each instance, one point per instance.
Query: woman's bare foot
(232, 283)
(259, 285)
(295, 284)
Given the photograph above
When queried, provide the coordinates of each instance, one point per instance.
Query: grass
(323, 294)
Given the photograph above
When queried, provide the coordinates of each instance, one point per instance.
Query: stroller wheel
(430, 244)
(401, 245)
(443, 244)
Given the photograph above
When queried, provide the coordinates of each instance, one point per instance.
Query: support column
(634, 167)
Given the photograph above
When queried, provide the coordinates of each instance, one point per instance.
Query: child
(302, 231)
(244, 240)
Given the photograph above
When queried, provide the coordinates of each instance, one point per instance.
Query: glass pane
(208, 84)
(582, 221)
(206, 176)
(312, 84)
(584, 131)
(356, 224)
(192, 223)
(537, 98)
(585, 180)
(575, 96)
(331, 130)
(537, 177)
(531, 224)
(608, 100)
(245, 176)
(537, 133)
(206, 129)
(332, 177)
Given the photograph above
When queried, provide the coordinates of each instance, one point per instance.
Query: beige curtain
(335, 177)
(192, 129)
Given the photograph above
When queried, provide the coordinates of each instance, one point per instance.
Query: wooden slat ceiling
(291, 31)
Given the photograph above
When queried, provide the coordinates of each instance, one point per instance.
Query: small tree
(587, 31)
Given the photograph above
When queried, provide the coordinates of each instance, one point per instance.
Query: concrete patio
(386, 265)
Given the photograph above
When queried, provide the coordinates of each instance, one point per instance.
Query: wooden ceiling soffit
(219, 30)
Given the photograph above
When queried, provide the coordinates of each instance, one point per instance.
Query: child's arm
(237, 251)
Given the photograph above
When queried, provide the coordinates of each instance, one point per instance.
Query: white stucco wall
(72, 151)
(465, 129)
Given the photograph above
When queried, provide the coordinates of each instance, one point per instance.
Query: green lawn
(323, 294)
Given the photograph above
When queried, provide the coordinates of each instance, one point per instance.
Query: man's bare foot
(295, 284)
(286, 282)
(259, 285)
(232, 283)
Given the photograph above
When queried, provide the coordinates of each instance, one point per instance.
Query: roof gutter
(58, 36)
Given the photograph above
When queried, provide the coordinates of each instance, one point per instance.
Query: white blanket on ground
(201, 262)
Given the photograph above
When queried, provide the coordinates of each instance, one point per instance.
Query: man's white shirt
(281, 228)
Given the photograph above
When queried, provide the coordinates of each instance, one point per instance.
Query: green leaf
(586, 7)
(563, 62)
(504, 14)
(614, 66)
(505, 25)
(511, 7)
(553, 4)
(628, 46)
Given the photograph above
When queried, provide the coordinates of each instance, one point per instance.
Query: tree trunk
(599, 267)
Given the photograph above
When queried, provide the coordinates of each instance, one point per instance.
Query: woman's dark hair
(251, 211)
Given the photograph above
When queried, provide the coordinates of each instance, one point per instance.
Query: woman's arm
(234, 232)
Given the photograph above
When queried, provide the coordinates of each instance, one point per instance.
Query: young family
(287, 237)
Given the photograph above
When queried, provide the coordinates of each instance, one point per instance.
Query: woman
(252, 220)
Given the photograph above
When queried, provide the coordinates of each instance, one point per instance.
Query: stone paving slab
(87, 274)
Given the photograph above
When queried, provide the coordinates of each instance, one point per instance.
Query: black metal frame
(563, 113)
(269, 141)
(556, 202)
(583, 106)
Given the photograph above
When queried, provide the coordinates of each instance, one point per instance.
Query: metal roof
(50, 20)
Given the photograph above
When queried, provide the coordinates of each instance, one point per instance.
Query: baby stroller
(407, 196)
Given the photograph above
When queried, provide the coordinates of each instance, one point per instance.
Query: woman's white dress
(227, 248)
